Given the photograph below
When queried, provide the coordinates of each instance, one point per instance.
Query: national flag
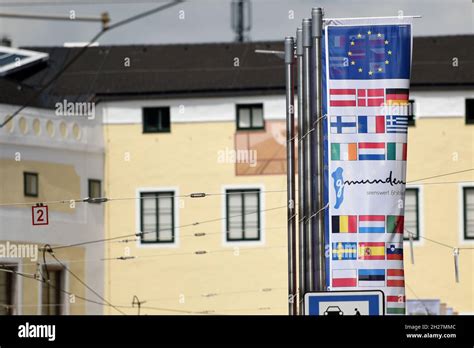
(397, 124)
(344, 223)
(396, 151)
(396, 96)
(339, 41)
(371, 251)
(344, 152)
(343, 278)
(389, 46)
(371, 223)
(395, 223)
(344, 251)
(372, 277)
(371, 124)
(371, 151)
(394, 251)
(395, 278)
(396, 304)
(342, 97)
(370, 97)
(343, 124)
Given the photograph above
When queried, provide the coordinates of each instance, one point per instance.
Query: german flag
(396, 96)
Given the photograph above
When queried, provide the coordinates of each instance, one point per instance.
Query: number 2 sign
(39, 215)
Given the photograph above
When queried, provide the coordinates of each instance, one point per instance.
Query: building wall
(175, 278)
(65, 152)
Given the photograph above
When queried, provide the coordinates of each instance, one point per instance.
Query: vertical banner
(365, 98)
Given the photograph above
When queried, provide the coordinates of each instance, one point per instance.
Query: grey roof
(211, 69)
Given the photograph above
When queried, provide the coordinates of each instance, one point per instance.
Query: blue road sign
(337, 303)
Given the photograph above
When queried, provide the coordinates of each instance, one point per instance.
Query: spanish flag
(396, 96)
(372, 251)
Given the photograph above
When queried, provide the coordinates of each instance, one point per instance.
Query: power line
(83, 50)
(162, 230)
(83, 2)
(440, 175)
(51, 253)
(105, 199)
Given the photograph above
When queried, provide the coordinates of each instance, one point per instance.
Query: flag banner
(366, 80)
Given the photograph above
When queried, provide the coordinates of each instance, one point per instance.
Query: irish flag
(344, 152)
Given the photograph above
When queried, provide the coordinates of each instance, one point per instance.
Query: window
(30, 184)
(411, 112)
(7, 291)
(95, 189)
(51, 293)
(243, 215)
(411, 214)
(157, 217)
(250, 116)
(469, 111)
(156, 120)
(468, 212)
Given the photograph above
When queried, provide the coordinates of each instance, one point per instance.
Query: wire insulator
(197, 195)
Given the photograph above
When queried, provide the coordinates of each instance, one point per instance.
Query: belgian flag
(344, 223)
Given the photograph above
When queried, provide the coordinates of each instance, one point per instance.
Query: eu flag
(369, 52)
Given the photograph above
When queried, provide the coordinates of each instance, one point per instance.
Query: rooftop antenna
(241, 19)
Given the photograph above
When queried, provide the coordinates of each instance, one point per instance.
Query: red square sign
(39, 215)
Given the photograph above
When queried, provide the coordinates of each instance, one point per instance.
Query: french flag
(371, 124)
(371, 224)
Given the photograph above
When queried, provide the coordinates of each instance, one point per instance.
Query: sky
(210, 20)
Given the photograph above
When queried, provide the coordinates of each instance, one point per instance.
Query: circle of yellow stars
(360, 69)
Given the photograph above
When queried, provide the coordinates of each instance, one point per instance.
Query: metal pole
(301, 172)
(309, 277)
(290, 173)
(319, 242)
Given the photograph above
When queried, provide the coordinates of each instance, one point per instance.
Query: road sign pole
(301, 172)
(290, 173)
(319, 259)
(309, 248)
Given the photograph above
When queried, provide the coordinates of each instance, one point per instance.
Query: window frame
(417, 190)
(89, 186)
(162, 130)
(60, 294)
(12, 287)
(250, 107)
(412, 120)
(464, 211)
(173, 217)
(466, 120)
(259, 217)
(25, 175)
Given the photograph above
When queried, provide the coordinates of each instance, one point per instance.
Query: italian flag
(397, 151)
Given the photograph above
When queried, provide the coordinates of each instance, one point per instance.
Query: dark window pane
(156, 119)
(95, 190)
(411, 112)
(30, 183)
(470, 111)
(51, 293)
